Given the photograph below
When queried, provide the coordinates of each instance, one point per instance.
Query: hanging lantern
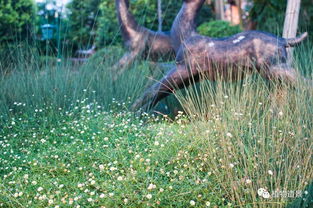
(47, 31)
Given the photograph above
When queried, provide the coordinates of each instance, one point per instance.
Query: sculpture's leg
(156, 70)
(127, 21)
(284, 74)
(177, 78)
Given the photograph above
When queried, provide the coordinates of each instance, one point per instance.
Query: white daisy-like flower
(149, 196)
(248, 181)
(261, 191)
(151, 186)
(266, 195)
(229, 134)
(101, 167)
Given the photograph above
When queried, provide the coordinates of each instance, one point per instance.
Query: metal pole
(59, 40)
(47, 53)
(160, 15)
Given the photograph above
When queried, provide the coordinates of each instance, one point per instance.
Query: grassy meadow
(68, 138)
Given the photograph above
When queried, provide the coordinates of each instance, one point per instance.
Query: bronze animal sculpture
(146, 43)
(213, 57)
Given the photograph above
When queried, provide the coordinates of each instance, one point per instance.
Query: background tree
(219, 9)
(17, 25)
(83, 17)
(271, 13)
(291, 22)
(291, 18)
(16, 20)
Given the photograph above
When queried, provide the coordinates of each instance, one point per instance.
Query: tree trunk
(219, 9)
(291, 23)
(160, 15)
(238, 3)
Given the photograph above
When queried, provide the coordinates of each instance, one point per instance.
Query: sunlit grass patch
(83, 161)
(93, 158)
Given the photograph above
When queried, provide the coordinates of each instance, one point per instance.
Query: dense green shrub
(218, 29)
(16, 19)
(16, 26)
(270, 14)
(83, 22)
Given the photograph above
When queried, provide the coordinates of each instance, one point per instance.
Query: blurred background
(68, 26)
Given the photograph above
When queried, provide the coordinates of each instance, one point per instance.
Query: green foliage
(18, 57)
(306, 16)
(16, 27)
(306, 200)
(42, 81)
(108, 30)
(82, 22)
(16, 19)
(43, 84)
(107, 54)
(270, 15)
(218, 28)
